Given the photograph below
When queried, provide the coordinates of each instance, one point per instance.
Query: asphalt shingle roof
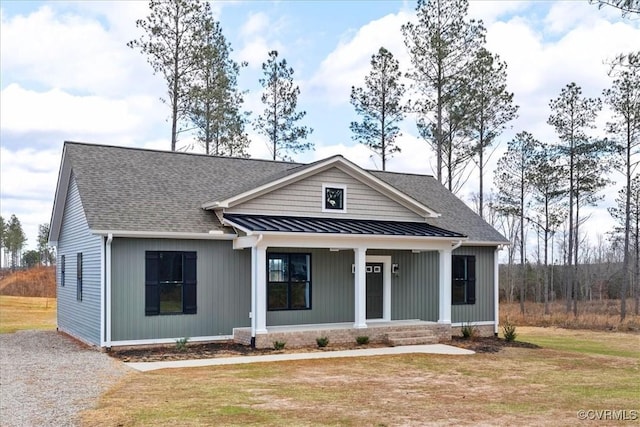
(145, 190)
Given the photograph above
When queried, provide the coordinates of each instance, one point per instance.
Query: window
(62, 267)
(463, 287)
(289, 281)
(170, 282)
(334, 197)
(79, 278)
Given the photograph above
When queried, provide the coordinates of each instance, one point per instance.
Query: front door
(374, 290)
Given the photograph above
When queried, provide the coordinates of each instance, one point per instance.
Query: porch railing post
(360, 287)
(444, 288)
(260, 308)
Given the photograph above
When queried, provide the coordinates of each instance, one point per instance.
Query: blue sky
(67, 74)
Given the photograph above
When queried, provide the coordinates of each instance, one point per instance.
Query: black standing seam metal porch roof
(290, 224)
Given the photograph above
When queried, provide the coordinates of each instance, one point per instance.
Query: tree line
(13, 239)
(456, 89)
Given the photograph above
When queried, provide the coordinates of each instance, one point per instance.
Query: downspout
(108, 290)
(456, 245)
(254, 288)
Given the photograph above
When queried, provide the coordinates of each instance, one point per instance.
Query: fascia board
(60, 198)
(165, 235)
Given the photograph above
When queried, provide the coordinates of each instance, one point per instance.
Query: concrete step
(411, 338)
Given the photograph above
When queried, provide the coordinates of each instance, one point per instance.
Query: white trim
(483, 243)
(170, 340)
(496, 290)
(335, 161)
(481, 323)
(347, 241)
(108, 289)
(103, 293)
(386, 286)
(360, 288)
(343, 187)
(444, 286)
(164, 235)
(60, 197)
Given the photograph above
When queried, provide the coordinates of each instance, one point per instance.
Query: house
(155, 246)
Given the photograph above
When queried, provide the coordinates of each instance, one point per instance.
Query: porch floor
(395, 332)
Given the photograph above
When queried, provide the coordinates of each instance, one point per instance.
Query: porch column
(444, 288)
(260, 307)
(360, 283)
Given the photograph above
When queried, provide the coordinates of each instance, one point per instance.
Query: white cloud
(349, 62)
(69, 51)
(27, 110)
(256, 23)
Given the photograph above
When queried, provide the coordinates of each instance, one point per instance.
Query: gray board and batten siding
(80, 319)
(362, 201)
(223, 290)
(483, 309)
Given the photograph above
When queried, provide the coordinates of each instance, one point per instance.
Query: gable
(305, 198)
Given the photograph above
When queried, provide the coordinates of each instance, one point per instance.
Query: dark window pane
(170, 298)
(458, 293)
(300, 295)
(300, 268)
(278, 298)
(170, 267)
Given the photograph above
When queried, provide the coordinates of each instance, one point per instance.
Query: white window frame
(343, 187)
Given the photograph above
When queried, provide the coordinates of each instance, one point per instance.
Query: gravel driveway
(46, 378)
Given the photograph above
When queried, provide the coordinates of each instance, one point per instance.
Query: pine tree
(547, 185)
(511, 181)
(380, 105)
(14, 240)
(571, 116)
(624, 100)
(172, 41)
(278, 121)
(441, 45)
(489, 108)
(214, 99)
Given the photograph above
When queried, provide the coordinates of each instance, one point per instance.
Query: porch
(397, 332)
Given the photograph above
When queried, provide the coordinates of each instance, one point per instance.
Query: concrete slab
(382, 351)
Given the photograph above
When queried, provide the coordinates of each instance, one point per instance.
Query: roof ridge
(399, 173)
(155, 150)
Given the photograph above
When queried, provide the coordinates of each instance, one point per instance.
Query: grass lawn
(17, 313)
(574, 370)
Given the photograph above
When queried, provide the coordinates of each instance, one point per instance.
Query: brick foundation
(482, 330)
(305, 336)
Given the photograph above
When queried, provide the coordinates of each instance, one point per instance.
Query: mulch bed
(488, 344)
(231, 349)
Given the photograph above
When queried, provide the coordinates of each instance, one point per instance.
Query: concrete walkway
(382, 351)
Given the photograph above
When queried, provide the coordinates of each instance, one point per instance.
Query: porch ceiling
(340, 226)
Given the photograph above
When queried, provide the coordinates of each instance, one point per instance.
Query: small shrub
(322, 341)
(469, 331)
(509, 331)
(181, 344)
(279, 345)
(362, 340)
